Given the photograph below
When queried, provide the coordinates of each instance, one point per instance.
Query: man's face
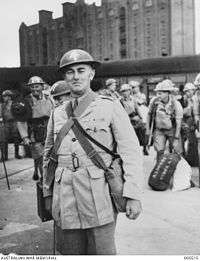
(126, 94)
(163, 96)
(6, 98)
(112, 86)
(189, 93)
(78, 77)
(36, 89)
(136, 89)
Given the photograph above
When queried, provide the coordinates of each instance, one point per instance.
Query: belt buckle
(75, 162)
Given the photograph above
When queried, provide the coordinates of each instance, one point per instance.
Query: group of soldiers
(78, 195)
(170, 122)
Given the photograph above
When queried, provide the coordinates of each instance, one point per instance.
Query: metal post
(54, 238)
(4, 166)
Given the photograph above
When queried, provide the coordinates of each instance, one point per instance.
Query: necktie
(75, 104)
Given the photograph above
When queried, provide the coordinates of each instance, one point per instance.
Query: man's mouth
(76, 83)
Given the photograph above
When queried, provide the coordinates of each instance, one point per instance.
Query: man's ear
(92, 73)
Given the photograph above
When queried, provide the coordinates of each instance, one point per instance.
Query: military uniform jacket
(165, 113)
(129, 105)
(40, 108)
(81, 198)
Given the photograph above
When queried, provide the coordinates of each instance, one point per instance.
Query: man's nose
(76, 75)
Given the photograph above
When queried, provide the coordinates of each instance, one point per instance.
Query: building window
(135, 5)
(100, 15)
(122, 32)
(148, 3)
(111, 12)
(44, 46)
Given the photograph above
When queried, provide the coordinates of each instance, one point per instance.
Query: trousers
(91, 241)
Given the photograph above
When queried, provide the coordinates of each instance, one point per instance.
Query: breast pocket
(99, 131)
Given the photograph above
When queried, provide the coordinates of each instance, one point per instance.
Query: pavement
(168, 225)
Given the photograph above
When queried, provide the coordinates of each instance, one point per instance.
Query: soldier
(167, 114)
(82, 208)
(60, 93)
(196, 112)
(138, 96)
(131, 107)
(33, 129)
(10, 126)
(111, 85)
(188, 124)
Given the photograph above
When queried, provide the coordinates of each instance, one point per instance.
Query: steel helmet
(197, 79)
(134, 84)
(125, 87)
(59, 88)
(189, 86)
(7, 93)
(77, 56)
(110, 81)
(165, 85)
(35, 80)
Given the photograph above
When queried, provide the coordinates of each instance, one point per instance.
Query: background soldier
(188, 124)
(10, 126)
(60, 93)
(111, 86)
(33, 130)
(137, 94)
(132, 108)
(167, 113)
(82, 207)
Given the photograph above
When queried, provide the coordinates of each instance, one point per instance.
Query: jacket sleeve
(47, 191)
(22, 128)
(49, 139)
(130, 152)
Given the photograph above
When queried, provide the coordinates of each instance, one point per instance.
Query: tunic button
(73, 139)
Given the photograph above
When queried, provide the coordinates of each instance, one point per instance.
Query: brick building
(118, 29)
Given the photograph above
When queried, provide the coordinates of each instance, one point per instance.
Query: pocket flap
(95, 173)
(58, 174)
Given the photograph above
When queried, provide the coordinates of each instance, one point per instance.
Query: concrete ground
(169, 224)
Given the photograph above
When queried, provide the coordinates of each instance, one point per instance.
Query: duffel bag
(163, 171)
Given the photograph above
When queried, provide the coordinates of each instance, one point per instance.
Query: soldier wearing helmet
(188, 123)
(137, 94)
(33, 128)
(111, 85)
(188, 99)
(9, 125)
(167, 114)
(129, 103)
(60, 92)
(87, 215)
(196, 107)
(132, 108)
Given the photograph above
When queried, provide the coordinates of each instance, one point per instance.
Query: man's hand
(26, 141)
(197, 134)
(133, 208)
(176, 145)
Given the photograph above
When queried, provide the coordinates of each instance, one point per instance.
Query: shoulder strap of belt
(86, 145)
(84, 103)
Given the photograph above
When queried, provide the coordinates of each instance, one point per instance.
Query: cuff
(132, 191)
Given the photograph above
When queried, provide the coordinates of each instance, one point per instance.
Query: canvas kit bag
(162, 173)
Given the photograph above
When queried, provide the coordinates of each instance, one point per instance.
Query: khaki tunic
(81, 198)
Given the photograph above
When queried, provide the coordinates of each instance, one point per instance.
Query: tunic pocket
(56, 194)
(100, 193)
